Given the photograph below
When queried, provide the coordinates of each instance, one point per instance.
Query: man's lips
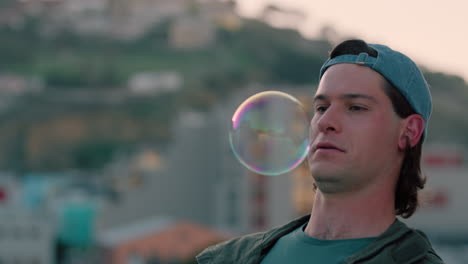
(326, 146)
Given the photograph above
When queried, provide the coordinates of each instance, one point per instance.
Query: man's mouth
(327, 146)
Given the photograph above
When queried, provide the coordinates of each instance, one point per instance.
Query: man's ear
(413, 128)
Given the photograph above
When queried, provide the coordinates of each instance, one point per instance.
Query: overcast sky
(432, 32)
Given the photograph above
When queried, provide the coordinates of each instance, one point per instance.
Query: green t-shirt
(297, 247)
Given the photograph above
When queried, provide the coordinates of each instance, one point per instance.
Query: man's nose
(329, 121)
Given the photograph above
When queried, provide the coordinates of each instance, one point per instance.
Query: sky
(433, 33)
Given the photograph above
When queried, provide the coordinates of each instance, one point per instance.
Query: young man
(371, 112)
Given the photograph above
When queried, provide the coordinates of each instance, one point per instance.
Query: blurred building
(134, 183)
(194, 22)
(26, 236)
(11, 14)
(202, 182)
(155, 239)
(181, 186)
(248, 202)
(152, 83)
(192, 32)
(13, 84)
(443, 212)
(131, 18)
(197, 28)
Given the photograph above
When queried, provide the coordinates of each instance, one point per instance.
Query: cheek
(313, 128)
(381, 134)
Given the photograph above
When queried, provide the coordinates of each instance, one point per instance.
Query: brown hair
(410, 180)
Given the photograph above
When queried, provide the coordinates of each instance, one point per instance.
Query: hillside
(53, 130)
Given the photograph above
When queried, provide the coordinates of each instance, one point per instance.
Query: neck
(351, 215)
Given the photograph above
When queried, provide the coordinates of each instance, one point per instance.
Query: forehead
(351, 78)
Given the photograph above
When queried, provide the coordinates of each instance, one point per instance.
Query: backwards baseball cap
(399, 70)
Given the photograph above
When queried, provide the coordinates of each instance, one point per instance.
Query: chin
(325, 169)
(326, 174)
(330, 186)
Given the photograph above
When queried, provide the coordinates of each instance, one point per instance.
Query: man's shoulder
(399, 244)
(247, 248)
(432, 258)
(415, 247)
(419, 238)
(233, 249)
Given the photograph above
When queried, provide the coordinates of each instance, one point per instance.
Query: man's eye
(356, 108)
(320, 109)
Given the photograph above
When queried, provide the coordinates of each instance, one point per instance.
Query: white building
(131, 18)
(150, 83)
(26, 238)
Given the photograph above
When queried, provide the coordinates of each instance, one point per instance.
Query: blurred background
(114, 120)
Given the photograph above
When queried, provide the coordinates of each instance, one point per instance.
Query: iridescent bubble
(269, 133)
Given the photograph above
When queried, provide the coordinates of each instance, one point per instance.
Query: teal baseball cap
(399, 70)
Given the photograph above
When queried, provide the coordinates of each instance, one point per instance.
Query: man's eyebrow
(357, 96)
(322, 97)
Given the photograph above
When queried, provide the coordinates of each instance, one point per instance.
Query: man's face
(354, 131)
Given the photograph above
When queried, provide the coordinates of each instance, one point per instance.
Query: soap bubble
(269, 133)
